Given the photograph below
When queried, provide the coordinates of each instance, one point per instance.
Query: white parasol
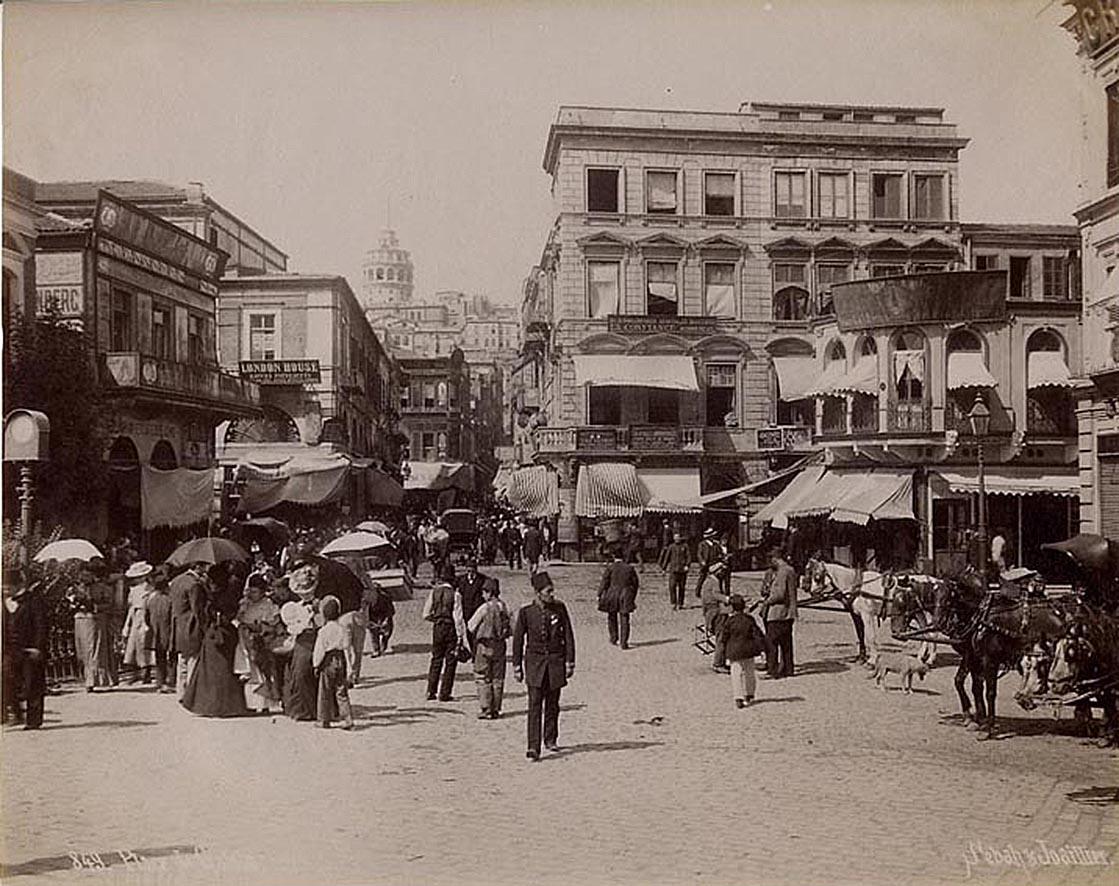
(355, 542)
(68, 549)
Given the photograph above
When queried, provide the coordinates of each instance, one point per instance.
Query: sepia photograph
(560, 443)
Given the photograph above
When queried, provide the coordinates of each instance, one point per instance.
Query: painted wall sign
(59, 284)
(632, 324)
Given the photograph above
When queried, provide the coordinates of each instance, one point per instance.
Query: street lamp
(980, 420)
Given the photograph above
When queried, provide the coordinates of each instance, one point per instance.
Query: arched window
(390, 274)
(123, 454)
(1049, 404)
(909, 413)
(790, 303)
(380, 273)
(967, 375)
(868, 347)
(864, 386)
(163, 456)
(274, 426)
(837, 352)
(963, 340)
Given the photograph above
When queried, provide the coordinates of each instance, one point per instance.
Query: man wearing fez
(544, 658)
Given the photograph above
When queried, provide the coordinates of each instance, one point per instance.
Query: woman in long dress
(260, 629)
(135, 630)
(301, 687)
(91, 602)
(213, 689)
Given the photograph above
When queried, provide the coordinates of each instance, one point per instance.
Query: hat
(139, 569)
(303, 580)
(710, 532)
(330, 607)
(541, 580)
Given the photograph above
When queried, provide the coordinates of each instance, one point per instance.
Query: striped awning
(800, 488)
(966, 369)
(534, 491)
(1024, 480)
(674, 372)
(670, 490)
(609, 489)
(883, 494)
(796, 376)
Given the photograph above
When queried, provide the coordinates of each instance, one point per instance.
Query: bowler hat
(541, 580)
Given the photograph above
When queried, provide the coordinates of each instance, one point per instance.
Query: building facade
(387, 274)
(435, 408)
(1095, 25)
(674, 302)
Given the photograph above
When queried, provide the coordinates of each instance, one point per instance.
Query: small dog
(905, 666)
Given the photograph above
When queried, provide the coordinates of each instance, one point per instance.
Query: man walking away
(544, 658)
(443, 608)
(490, 626)
(709, 553)
(534, 546)
(617, 597)
(675, 560)
(779, 611)
(742, 639)
(512, 536)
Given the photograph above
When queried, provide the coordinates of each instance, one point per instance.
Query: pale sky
(306, 119)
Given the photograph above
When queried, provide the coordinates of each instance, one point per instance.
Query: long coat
(533, 543)
(188, 612)
(161, 635)
(544, 641)
(618, 589)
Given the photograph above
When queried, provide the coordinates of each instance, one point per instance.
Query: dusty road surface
(660, 780)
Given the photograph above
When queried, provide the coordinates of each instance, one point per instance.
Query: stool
(702, 639)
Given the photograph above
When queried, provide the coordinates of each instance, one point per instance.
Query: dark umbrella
(276, 529)
(207, 550)
(338, 579)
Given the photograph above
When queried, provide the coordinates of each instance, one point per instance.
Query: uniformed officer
(544, 643)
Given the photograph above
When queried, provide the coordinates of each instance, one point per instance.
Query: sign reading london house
(644, 324)
(281, 372)
(131, 235)
(950, 297)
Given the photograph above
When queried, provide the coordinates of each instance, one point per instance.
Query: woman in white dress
(135, 630)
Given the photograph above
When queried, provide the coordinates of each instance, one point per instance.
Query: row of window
(797, 193)
(400, 275)
(1056, 272)
(164, 344)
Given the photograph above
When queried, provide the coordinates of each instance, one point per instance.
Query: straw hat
(139, 569)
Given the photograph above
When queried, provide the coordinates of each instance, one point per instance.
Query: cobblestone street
(660, 780)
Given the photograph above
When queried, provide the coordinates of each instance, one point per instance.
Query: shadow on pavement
(564, 708)
(402, 717)
(400, 648)
(377, 682)
(780, 700)
(591, 747)
(827, 666)
(100, 724)
(654, 642)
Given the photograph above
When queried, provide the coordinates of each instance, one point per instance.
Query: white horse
(865, 595)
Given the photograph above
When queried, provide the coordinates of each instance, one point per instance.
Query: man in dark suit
(617, 597)
(469, 585)
(544, 658)
(709, 553)
(25, 644)
(779, 611)
(188, 617)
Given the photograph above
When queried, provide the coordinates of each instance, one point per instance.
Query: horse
(989, 631)
(863, 595)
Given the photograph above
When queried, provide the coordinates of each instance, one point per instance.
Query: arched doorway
(124, 490)
(273, 426)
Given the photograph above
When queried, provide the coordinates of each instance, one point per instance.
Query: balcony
(186, 382)
(910, 418)
(619, 438)
(784, 438)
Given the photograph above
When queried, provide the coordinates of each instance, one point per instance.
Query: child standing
(329, 660)
(490, 625)
(743, 640)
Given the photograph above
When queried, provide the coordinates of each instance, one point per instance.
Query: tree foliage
(50, 367)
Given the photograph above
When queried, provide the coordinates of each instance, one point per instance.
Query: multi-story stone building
(1095, 25)
(670, 319)
(387, 274)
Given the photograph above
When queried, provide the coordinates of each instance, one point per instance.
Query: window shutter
(144, 321)
(104, 310)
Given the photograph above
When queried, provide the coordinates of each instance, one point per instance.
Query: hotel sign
(638, 324)
(281, 372)
(1095, 23)
(59, 284)
(131, 235)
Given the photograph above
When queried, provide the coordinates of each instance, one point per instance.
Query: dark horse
(989, 630)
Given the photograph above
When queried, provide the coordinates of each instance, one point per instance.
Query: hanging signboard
(281, 372)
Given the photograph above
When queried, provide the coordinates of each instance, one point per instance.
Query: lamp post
(980, 420)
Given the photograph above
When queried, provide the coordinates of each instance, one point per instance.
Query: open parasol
(355, 543)
(68, 549)
(375, 526)
(207, 550)
(276, 529)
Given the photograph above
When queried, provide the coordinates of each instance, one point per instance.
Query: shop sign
(651, 438)
(132, 235)
(631, 324)
(1095, 23)
(59, 284)
(281, 372)
(596, 438)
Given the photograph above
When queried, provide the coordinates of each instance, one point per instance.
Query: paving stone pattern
(661, 780)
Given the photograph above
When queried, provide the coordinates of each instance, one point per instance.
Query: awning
(826, 495)
(670, 490)
(796, 376)
(382, 490)
(712, 497)
(608, 489)
(829, 381)
(1047, 368)
(175, 498)
(966, 369)
(669, 371)
(535, 491)
(501, 481)
(1011, 481)
(881, 495)
(311, 487)
(801, 487)
(862, 379)
(439, 475)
